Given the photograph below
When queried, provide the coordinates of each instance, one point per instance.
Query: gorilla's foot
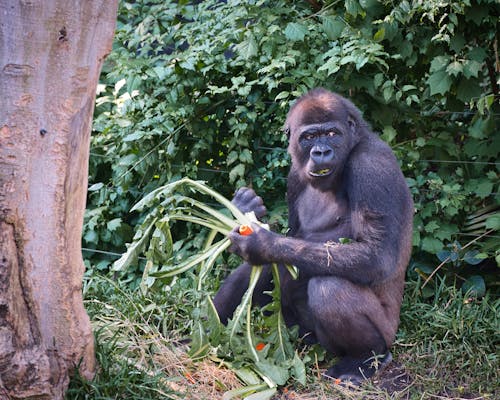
(355, 370)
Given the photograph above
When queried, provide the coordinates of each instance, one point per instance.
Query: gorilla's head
(323, 129)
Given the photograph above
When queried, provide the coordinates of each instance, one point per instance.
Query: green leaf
(493, 222)
(472, 68)
(280, 336)
(454, 68)
(388, 91)
(95, 187)
(263, 395)
(277, 374)
(201, 219)
(152, 197)
(431, 245)
(213, 320)
(478, 54)
(248, 376)
(439, 63)
(299, 369)
(237, 81)
(377, 80)
(248, 48)
(134, 249)
(484, 189)
(237, 172)
(114, 224)
(188, 64)
(244, 391)
(232, 157)
(474, 286)
(353, 7)
(420, 142)
(91, 237)
(246, 156)
(146, 281)
(331, 66)
(457, 42)
(389, 134)
(468, 89)
(295, 31)
(379, 35)
(431, 226)
(471, 257)
(361, 61)
(439, 82)
(282, 95)
(406, 88)
(333, 27)
(134, 136)
(477, 129)
(444, 255)
(445, 231)
(199, 342)
(207, 265)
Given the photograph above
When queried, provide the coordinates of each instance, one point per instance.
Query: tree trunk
(51, 53)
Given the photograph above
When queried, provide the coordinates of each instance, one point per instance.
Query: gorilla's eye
(332, 133)
(309, 136)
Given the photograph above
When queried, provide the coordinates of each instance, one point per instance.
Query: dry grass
(140, 344)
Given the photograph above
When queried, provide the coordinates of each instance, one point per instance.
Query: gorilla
(344, 182)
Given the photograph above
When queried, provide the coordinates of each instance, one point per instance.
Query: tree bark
(51, 53)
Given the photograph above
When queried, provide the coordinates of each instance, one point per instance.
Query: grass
(452, 343)
(447, 348)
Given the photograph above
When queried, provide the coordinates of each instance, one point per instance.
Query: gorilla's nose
(321, 154)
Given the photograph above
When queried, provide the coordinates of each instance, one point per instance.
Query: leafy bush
(202, 90)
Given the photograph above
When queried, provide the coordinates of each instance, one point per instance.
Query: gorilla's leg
(350, 322)
(234, 287)
(295, 307)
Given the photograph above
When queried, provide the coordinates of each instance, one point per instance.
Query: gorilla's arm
(374, 188)
(362, 261)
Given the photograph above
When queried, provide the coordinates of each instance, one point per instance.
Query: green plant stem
(210, 261)
(254, 277)
(277, 288)
(221, 199)
(246, 301)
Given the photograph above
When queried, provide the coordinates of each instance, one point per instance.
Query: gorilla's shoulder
(373, 150)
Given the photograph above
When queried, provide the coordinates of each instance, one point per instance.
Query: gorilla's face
(322, 134)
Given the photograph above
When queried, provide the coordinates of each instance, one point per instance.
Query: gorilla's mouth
(321, 172)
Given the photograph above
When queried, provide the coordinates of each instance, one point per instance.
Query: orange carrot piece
(245, 230)
(260, 346)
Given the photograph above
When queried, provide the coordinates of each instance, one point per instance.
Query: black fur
(344, 182)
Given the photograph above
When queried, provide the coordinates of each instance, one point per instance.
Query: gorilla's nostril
(321, 152)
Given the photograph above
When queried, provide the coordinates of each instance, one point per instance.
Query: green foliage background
(203, 90)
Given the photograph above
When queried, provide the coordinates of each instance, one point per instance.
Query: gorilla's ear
(286, 129)
(352, 122)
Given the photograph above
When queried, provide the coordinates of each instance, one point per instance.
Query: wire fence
(282, 149)
(118, 255)
(421, 190)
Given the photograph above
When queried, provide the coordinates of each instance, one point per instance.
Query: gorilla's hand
(254, 248)
(247, 200)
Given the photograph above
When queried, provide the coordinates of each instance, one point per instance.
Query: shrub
(202, 90)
